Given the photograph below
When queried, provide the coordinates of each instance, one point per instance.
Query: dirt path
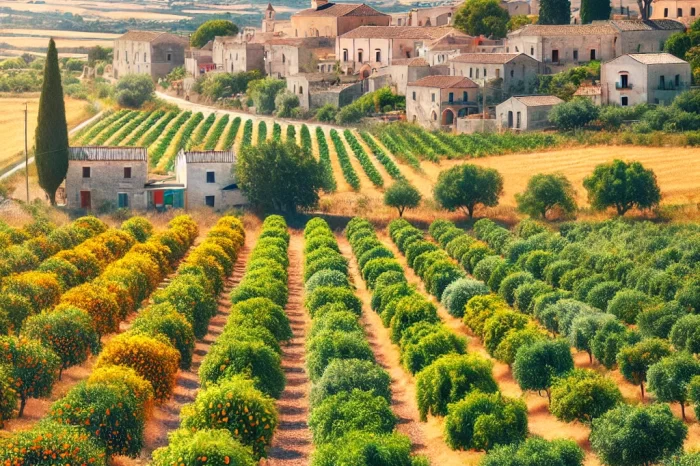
(540, 421)
(166, 417)
(292, 445)
(426, 438)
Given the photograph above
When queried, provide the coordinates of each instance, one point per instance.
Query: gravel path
(292, 445)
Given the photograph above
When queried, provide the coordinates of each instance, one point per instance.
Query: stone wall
(105, 182)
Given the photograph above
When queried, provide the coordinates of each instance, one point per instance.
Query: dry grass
(55, 33)
(95, 9)
(61, 42)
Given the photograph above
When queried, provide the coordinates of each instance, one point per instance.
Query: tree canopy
(545, 192)
(622, 185)
(576, 113)
(210, 29)
(594, 10)
(402, 195)
(466, 186)
(536, 366)
(134, 90)
(264, 92)
(279, 176)
(555, 12)
(482, 17)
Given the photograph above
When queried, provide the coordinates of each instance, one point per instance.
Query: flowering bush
(163, 319)
(8, 395)
(87, 264)
(16, 309)
(96, 301)
(68, 331)
(207, 445)
(188, 295)
(138, 227)
(153, 359)
(41, 289)
(237, 406)
(126, 379)
(67, 274)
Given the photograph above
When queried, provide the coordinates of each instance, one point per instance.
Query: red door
(85, 199)
(158, 197)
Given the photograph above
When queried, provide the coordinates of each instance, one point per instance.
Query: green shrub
(424, 342)
(330, 262)
(344, 375)
(515, 339)
(332, 278)
(190, 448)
(482, 421)
(188, 294)
(346, 412)
(511, 283)
(658, 320)
(326, 346)
(237, 406)
(609, 339)
(536, 366)
(486, 267)
(377, 252)
(449, 379)
(261, 312)
(375, 267)
(411, 310)
(365, 449)
(602, 293)
(163, 319)
(343, 321)
(497, 327)
(17, 308)
(526, 293)
(479, 309)
(685, 334)
(535, 451)
(8, 395)
(583, 395)
(327, 295)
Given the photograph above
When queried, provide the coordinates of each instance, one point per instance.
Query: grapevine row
(201, 132)
(215, 134)
(231, 134)
(374, 176)
(325, 159)
(164, 139)
(150, 133)
(384, 159)
(262, 132)
(345, 165)
(112, 129)
(182, 139)
(247, 133)
(276, 132)
(131, 127)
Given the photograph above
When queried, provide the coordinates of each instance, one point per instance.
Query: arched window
(301, 89)
(434, 116)
(284, 59)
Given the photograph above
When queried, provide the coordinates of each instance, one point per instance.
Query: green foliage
(483, 421)
(218, 446)
(51, 135)
(326, 346)
(164, 320)
(449, 379)
(555, 12)
(424, 342)
(634, 361)
(595, 10)
(669, 378)
(345, 375)
(609, 339)
(210, 29)
(685, 334)
(535, 451)
(637, 435)
(536, 366)
(459, 292)
(345, 412)
(466, 186)
(583, 395)
(270, 176)
(134, 90)
(576, 113)
(545, 192)
(482, 17)
(8, 395)
(264, 92)
(330, 295)
(623, 186)
(365, 449)
(327, 113)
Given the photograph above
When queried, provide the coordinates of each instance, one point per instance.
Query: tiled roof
(397, 32)
(341, 9)
(269, 7)
(487, 58)
(417, 61)
(656, 58)
(108, 154)
(444, 82)
(648, 25)
(565, 30)
(209, 156)
(538, 100)
(150, 36)
(589, 90)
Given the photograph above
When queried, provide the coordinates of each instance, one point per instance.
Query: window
(86, 172)
(433, 96)
(517, 50)
(451, 97)
(211, 177)
(209, 201)
(532, 51)
(662, 82)
(345, 54)
(301, 89)
(498, 73)
(576, 55)
(665, 12)
(555, 56)
(414, 95)
(592, 54)
(465, 96)
(284, 59)
(623, 101)
(512, 73)
(169, 57)
(434, 116)
(679, 13)
(517, 120)
(470, 72)
(477, 73)
(678, 80)
(127, 172)
(692, 12)
(145, 57)
(122, 200)
(378, 55)
(359, 56)
(624, 81)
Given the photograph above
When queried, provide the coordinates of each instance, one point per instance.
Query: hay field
(94, 9)
(12, 124)
(56, 33)
(61, 42)
(677, 168)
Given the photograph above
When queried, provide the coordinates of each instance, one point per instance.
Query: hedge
(218, 446)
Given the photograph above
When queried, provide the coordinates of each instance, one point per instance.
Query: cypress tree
(554, 12)
(51, 137)
(593, 10)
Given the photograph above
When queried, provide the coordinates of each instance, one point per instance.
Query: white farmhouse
(524, 113)
(208, 179)
(146, 52)
(437, 101)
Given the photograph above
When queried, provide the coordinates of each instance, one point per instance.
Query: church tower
(316, 4)
(268, 24)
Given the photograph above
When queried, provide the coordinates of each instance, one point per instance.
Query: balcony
(621, 86)
(672, 86)
(462, 103)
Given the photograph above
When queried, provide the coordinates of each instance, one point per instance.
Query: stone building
(368, 48)
(318, 89)
(290, 56)
(145, 52)
(442, 50)
(199, 61)
(525, 113)
(509, 71)
(592, 92)
(652, 78)
(327, 19)
(637, 36)
(106, 177)
(685, 11)
(401, 72)
(208, 180)
(437, 101)
(234, 54)
(431, 16)
(516, 7)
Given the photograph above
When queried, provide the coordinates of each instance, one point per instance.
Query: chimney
(316, 4)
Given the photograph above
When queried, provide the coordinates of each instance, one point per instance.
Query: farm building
(516, 70)
(234, 54)
(318, 89)
(591, 92)
(653, 78)
(400, 73)
(106, 177)
(328, 19)
(207, 179)
(525, 113)
(686, 11)
(437, 101)
(199, 61)
(145, 52)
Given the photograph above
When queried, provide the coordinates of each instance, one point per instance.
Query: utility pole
(26, 152)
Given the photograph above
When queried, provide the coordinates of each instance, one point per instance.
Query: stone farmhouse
(207, 179)
(200, 61)
(514, 70)
(685, 11)
(327, 19)
(650, 78)
(287, 57)
(318, 89)
(144, 52)
(525, 113)
(437, 101)
(401, 72)
(431, 16)
(562, 46)
(235, 54)
(100, 177)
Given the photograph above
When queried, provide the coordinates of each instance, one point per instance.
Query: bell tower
(268, 24)
(316, 4)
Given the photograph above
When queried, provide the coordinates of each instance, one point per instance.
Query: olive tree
(402, 195)
(465, 186)
(536, 366)
(634, 361)
(545, 192)
(669, 378)
(622, 185)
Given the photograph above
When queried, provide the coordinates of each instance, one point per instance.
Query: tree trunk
(22, 404)
(400, 212)
(470, 211)
(52, 197)
(683, 409)
(590, 356)
(641, 385)
(549, 396)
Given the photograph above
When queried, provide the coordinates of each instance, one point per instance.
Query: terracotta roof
(397, 32)
(603, 28)
(269, 7)
(538, 100)
(150, 36)
(108, 154)
(589, 90)
(444, 82)
(209, 156)
(648, 25)
(417, 61)
(341, 9)
(487, 58)
(656, 58)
